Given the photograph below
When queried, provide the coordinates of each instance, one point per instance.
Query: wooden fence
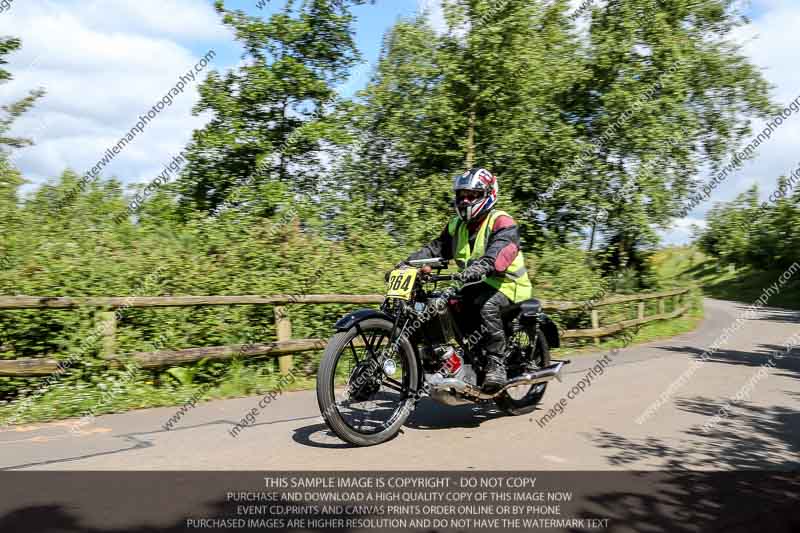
(285, 346)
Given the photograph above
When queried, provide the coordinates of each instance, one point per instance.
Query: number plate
(401, 283)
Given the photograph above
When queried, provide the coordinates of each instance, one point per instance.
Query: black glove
(475, 271)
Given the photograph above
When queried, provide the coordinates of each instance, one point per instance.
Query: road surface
(596, 430)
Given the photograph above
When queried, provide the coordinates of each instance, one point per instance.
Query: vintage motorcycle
(425, 343)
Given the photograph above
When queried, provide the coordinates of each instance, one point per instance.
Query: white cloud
(681, 231)
(435, 13)
(103, 64)
(176, 19)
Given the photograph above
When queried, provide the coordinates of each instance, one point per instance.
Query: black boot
(495, 374)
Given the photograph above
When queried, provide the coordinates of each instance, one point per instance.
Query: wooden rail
(39, 302)
(285, 346)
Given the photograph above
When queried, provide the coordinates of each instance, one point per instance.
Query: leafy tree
(270, 116)
(619, 121)
(10, 178)
(667, 95)
(16, 109)
(746, 232)
(487, 92)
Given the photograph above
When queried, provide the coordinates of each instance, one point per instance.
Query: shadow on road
(432, 415)
(779, 315)
(428, 415)
(749, 443)
(683, 502)
(65, 519)
(319, 436)
(788, 362)
(743, 437)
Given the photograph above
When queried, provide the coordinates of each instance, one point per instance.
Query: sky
(104, 63)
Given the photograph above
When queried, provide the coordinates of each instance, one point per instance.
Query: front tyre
(523, 400)
(366, 388)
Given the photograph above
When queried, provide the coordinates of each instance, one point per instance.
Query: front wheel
(366, 383)
(523, 399)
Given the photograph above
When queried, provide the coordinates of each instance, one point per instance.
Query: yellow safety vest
(514, 282)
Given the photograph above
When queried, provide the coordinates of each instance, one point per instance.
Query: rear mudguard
(550, 330)
(351, 319)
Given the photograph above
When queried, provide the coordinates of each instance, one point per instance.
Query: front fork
(370, 374)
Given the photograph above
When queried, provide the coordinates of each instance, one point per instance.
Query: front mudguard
(351, 319)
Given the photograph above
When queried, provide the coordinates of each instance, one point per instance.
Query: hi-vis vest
(514, 282)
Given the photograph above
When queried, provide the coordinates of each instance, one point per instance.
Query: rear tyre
(372, 405)
(523, 400)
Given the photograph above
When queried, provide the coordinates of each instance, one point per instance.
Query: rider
(484, 242)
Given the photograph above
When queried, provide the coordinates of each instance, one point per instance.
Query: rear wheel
(529, 352)
(365, 386)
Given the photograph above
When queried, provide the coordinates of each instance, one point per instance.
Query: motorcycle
(424, 342)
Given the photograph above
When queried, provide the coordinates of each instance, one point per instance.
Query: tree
(669, 93)
(619, 121)
(270, 116)
(746, 232)
(487, 92)
(10, 178)
(14, 110)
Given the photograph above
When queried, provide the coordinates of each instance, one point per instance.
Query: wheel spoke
(378, 401)
(377, 346)
(355, 354)
(392, 384)
(368, 343)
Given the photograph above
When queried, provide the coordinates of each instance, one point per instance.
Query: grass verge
(686, 264)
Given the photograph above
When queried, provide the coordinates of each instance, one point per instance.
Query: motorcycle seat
(527, 308)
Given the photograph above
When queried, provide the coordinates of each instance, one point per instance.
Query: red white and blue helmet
(478, 180)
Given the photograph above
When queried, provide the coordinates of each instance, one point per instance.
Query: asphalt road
(597, 430)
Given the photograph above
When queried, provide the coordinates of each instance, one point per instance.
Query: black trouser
(487, 302)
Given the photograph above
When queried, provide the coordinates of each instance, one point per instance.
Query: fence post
(662, 306)
(283, 327)
(107, 322)
(596, 324)
(640, 310)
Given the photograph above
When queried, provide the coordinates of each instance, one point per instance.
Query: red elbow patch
(503, 222)
(505, 257)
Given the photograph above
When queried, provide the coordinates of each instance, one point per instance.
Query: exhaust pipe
(542, 375)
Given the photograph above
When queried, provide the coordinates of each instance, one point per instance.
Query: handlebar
(435, 278)
(435, 262)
